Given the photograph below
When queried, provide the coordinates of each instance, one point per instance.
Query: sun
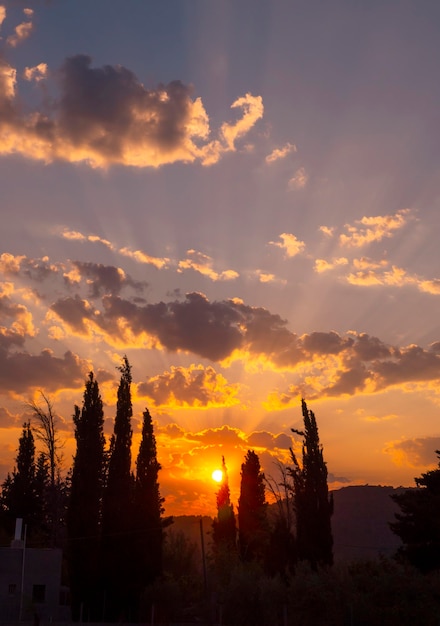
(217, 475)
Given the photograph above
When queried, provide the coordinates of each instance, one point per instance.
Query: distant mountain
(360, 523)
(361, 520)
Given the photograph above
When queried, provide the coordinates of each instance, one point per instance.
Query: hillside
(360, 523)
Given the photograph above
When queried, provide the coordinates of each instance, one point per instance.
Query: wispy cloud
(299, 179)
(203, 264)
(280, 153)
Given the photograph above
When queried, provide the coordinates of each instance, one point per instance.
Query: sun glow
(217, 475)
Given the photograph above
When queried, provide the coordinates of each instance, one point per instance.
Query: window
(38, 594)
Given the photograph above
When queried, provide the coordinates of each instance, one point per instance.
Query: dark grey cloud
(105, 279)
(269, 441)
(214, 330)
(105, 115)
(20, 372)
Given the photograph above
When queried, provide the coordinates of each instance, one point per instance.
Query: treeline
(264, 565)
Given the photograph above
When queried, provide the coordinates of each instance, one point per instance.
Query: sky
(243, 198)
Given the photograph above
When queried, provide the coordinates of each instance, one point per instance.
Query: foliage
(418, 524)
(361, 593)
(117, 508)
(313, 505)
(224, 530)
(252, 510)
(147, 511)
(84, 512)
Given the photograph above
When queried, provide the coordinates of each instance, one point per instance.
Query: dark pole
(202, 542)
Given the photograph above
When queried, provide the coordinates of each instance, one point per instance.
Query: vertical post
(202, 543)
(20, 614)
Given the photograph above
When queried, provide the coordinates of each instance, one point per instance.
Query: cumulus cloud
(375, 228)
(194, 386)
(102, 279)
(203, 264)
(290, 244)
(105, 116)
(20, 371)
(323, 363)
(280, 153)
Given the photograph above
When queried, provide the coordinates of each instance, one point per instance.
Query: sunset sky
(241, 196)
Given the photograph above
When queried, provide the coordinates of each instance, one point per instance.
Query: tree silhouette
(313, 505)
(117, 518)
(147, 512)
(45, 428)
(418, 524)
(224, 528)
(19, 490)
(252, 514)
(84, 512)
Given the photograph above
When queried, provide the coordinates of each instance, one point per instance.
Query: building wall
(41, 583)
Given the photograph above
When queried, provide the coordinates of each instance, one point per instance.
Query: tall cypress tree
(84, 510)
(313, 505)
(252, 513)
(117, 508)
(147, 511)
(224, 531)
(224, 528)
(19, 490)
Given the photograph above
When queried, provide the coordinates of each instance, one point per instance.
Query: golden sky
(241, 197)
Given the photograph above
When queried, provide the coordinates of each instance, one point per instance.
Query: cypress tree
(117, 508)
(313, 505)
(84, 509)
(224, 528)
(19, 490)
(252, 513)
(147, 512)
(224, 531)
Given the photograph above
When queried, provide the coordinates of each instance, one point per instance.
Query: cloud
(321, 265)
(203, 264)
(266, 277)
(299, 179)
(20, 372)
(269, 441)
(280, 153)
(105, 116)
(19, 317)
(290, 244)
(146, 259)
(328, 231)
(36, 73)
(2, 14)
(418, 452)
(102, 279)
(194, 386)
(22, 31)
(8, 419)
(321, 363)
(372, 229)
